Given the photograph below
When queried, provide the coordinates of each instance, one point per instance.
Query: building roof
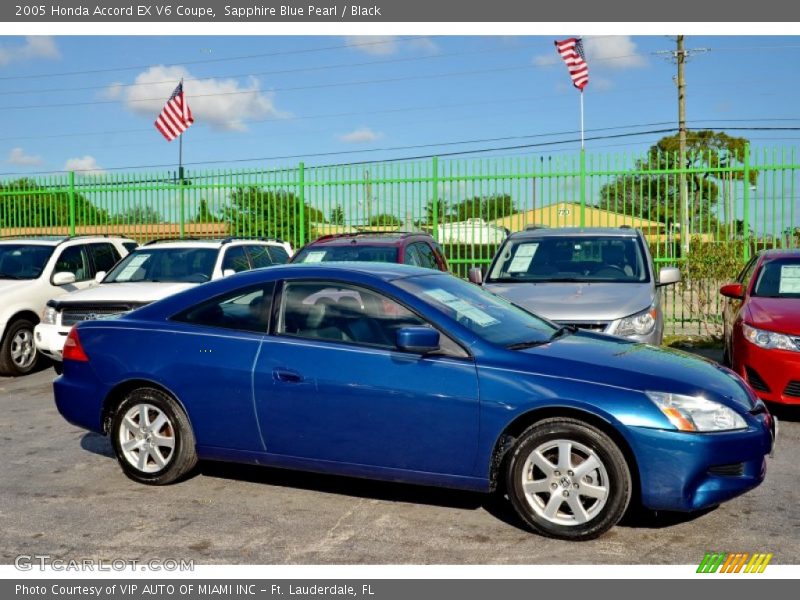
(567, 214)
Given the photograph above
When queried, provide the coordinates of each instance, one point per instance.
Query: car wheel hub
(147, 438)
(23, 352)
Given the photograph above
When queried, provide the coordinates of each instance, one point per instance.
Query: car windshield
(779, 278)
(349, 253)
(571, 258)
(488, 316)
(23, 261)
(191, 265)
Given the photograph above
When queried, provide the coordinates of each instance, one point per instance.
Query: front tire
(152, 438)
(568, 480)
(18, 355)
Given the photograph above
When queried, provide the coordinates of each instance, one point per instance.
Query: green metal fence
(746, 199)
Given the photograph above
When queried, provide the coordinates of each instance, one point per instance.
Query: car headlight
(639, 324)
(768, 339)
(49, 316)
(693, 413)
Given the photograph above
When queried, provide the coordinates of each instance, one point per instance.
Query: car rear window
(349, 253)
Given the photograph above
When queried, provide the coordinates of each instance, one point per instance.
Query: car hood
(774, 314)
(138, 292)
(603, 359)
(577, 301)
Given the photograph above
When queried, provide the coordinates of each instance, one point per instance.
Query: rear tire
(568, 480)
(18, 355)
(152, 438)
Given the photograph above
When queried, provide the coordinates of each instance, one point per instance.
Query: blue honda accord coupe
(405, 374)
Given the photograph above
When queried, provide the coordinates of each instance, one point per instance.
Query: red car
(762, 325)
(418, 249)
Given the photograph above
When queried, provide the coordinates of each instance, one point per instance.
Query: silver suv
(601, 279)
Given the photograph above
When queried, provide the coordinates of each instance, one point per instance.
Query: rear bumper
(79, 396)
(774, 375)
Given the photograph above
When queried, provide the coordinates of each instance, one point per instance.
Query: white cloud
(221, 103)
(18, 157)
(86, 165)
(601, 84)
(602, 52)
(387, 45)
(360, 136)
(34, 47)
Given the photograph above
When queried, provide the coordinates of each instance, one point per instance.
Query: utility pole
(680, 56)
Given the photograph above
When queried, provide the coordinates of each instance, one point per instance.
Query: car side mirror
(100, 276)
(732, 290)
(228, 272)
(63, 278)
(669, 275)
(475, 275)
(421, 340)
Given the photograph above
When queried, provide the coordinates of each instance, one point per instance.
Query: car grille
(587, 325)
(793, 389)
(72, 316)
(734, 470)
(755, 381)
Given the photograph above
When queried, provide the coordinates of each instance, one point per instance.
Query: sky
(88, 103)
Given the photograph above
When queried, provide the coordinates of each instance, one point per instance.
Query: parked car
(406, 374)
(153, 271)
(415, 248)
(762, 325)
(602, 279)
(33, 270)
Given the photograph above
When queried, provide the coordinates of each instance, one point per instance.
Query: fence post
(746, 203)
(183, 206)
(583, 187)
(71, 196)
(301, 192)
(435, 198)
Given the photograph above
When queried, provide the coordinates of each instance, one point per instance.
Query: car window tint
(130, 246)
(427, 258)
(344, 313)
(104, 256)
(265, 256)
(412, 257)
(74, 260)
(245, 309)
(236, 259)
(747, 272)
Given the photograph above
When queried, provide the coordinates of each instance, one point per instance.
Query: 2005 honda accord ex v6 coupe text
(406, 374)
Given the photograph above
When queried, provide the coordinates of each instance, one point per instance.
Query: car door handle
(287, 376)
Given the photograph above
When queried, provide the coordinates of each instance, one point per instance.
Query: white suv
(154, 271)
(35, 270)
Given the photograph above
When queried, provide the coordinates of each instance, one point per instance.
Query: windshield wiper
(524, 345)
(562, 331)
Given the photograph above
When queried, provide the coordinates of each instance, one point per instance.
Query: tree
(337, 215)
(25, 203)
(204, 214)
(385, 219)
(143, 214)
(260, 212)
(651, 194)
(487, 208)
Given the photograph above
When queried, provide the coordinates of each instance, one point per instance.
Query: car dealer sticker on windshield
(132, 267)
(523, 257)
(790, 279)
(315, 257)
(462, 308)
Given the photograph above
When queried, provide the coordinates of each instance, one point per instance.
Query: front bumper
(691, 471)
(49, 339)
(773, 374)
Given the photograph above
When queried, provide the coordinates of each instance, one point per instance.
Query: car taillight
(73, 349)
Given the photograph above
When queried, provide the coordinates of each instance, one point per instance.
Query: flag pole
(180, 172)
(581, 119)
(583, 171)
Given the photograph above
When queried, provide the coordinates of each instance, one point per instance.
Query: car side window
(236, 259)
(74, 260)
(427, 257)
(130, 246)
(245, 309)
(343, 313)
(104, 256)
(747, 273)
(411, 256)
(265, 256)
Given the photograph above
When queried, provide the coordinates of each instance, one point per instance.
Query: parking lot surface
(63, 495)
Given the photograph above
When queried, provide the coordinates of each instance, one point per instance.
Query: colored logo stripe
(734, 563)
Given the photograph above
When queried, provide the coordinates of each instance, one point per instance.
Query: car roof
(775, 253)
(370, 238)
(576, 232)
(208, 243)
(55, 240)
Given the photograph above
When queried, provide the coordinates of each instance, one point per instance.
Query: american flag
(176, 116)
(571, 50)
